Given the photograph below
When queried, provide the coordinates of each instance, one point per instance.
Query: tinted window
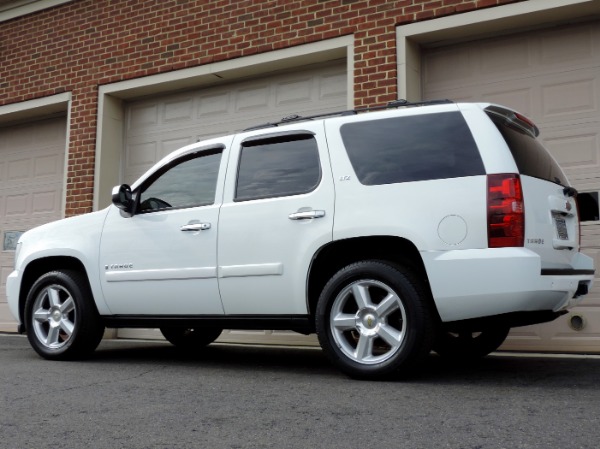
(287, 165)
(588, 206)
(531, 157)
(192, 182)
(412, 148)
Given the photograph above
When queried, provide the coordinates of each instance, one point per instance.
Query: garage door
(31, 185)
(159, 125)
(552, 76)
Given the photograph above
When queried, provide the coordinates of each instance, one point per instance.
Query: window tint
(588, 206)
(531, 157)
(412, 148)
(192, 182)
(282, 166)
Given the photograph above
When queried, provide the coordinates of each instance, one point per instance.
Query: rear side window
(531, 157)
(280, 166)
(412, 148)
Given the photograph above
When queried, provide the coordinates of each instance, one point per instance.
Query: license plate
(561, 227)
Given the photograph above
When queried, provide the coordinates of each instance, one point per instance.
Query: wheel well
(37, 268)
(336, 255)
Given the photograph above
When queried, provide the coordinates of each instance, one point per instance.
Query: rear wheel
(61, 318)
(373, 320)
(190, 338)
(468, 345)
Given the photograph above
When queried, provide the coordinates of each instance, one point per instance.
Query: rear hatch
(551, 221)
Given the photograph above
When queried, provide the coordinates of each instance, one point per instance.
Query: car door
(161, 260)
(277, 212)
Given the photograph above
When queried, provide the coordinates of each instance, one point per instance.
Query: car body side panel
(76, 237)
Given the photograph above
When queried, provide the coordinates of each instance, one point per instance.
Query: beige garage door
(157, 126)
(552, 76)
(31, 185)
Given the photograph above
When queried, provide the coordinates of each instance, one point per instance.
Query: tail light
(505, 208)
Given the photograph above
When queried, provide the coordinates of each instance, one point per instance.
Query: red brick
(77, 46)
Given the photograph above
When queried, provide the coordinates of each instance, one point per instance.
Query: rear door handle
(307, 215)
(195, 227)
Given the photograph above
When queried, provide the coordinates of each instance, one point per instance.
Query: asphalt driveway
(136, 394)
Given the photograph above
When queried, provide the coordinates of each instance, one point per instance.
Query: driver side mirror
(123, 198)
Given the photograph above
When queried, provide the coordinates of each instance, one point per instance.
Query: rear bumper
(486, 282)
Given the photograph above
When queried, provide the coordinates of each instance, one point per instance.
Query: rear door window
(412, 148)
(277, 166)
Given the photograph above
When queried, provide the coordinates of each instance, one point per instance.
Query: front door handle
(307, 215)
(195, 226)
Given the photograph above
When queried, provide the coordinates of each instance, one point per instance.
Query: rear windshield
(412, 148)
(531, 157)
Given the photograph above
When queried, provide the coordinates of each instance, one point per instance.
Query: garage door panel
(31, 189)
(213, 106)
(294, 92)
(570, 44)
(507, 57)
(574, 147)
(168, 146)
(141, 116)
(250, 99)
(444, 68)
(552, 76)
(178, 110)
(566, 96)
(155, 124)
(333, 87)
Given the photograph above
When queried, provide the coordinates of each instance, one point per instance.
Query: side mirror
(123, 198)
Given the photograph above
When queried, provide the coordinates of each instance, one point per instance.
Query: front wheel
(61, 317)
(374, 320)
(190, 338)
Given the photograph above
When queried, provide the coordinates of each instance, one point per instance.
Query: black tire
(372, 338)
(190, 338)
(467, 345)
(61, 318)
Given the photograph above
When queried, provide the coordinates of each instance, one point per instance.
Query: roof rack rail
(400, 103)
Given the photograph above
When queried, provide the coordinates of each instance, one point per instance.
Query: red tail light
(506, 214)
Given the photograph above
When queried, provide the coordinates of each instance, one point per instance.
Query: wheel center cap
(369, 321)
(56, 315)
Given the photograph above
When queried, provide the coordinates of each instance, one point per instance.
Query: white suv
(388, 233)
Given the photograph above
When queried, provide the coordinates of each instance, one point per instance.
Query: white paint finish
(156, 249)
(259, 233)
(167, 274)
(397, 209)
(31, 186)
(452, 229)
(265, 269)
(552, 76)
(172, 271)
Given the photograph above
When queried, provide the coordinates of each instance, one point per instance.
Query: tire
(61, 317)
(467, 345)
(190, 338)
(374, 320)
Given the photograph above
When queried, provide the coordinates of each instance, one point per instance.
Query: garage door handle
(307, 215)
(195, 227)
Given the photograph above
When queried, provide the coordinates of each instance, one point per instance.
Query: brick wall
(80, 45)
